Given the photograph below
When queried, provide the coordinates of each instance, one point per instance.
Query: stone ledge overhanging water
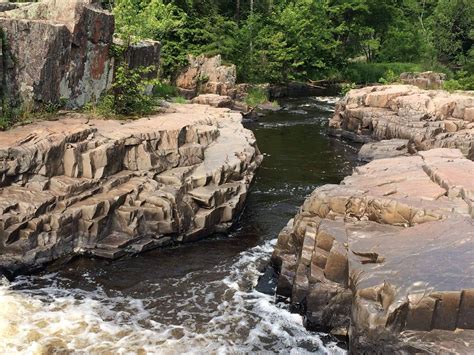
(108, 188)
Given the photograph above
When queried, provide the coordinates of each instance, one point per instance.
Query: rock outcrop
(428, 119)
(427, 80)
(206, 75)
(384, 149)
(59, 52)
(387, 256)
(108, 188)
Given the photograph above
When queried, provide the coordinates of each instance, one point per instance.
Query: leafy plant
(389, 77)
(346, 87)
(256, 96)
(164, 90)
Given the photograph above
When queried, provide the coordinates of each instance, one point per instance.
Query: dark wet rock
(387, 256)
(109, 188)
(428, 119)
(267, 283)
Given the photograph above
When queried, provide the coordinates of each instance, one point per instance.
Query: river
(198, 297)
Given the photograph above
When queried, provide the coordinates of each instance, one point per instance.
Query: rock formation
(108, 188)
(383, 149)
(387, 256)
(427, 80)
(60, 52)
(206, 75)
(428, 119)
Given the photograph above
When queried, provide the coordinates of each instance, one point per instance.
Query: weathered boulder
(206, 75)
(428, 119)
(387, 256)
(427, 80)
(108, 188)
(213, 100)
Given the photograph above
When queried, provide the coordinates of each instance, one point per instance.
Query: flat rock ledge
(387, 256)
(108, 188)
(427, 118)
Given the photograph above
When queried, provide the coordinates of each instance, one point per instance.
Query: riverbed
(198, 297)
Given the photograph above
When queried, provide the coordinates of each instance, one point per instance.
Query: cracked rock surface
(387, 256)
(427, 118)
(108, 188)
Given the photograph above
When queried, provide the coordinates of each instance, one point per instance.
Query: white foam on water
(54, 318)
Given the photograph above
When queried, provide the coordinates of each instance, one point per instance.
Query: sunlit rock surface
(108, 188)
(58, 53)
(429, 119)
(387, 256)
(424, 80)
(205, 75)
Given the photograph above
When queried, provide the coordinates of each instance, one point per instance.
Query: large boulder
(427, 118)
(387, 256)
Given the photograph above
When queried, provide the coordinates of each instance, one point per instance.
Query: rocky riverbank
(428, 119)
(386, 257)
(107, 188)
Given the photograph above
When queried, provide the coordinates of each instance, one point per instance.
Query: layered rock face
(428, 119)
(387, 256)
(206, 75)
(58, 51)
(108, 188)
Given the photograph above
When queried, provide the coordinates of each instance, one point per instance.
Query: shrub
(346, 87)
(256, 96)
(164, 90)
(129, 91)
(366, 73)
(389, 77)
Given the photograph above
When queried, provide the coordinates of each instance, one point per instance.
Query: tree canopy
(281, 40)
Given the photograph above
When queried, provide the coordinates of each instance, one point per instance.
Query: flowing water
(197, 297)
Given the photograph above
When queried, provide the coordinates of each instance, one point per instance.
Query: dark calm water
(198, 297)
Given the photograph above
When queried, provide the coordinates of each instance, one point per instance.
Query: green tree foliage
(281, 40)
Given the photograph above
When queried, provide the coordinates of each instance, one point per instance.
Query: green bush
(346, 87)
(367, 73)
(164, 90)
(129, 91)
(389, 77)
(463, 81)
(256, 96)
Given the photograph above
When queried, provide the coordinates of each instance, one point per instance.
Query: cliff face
(59, 52)
(108, 188)
(428, 119)
(387, 256)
